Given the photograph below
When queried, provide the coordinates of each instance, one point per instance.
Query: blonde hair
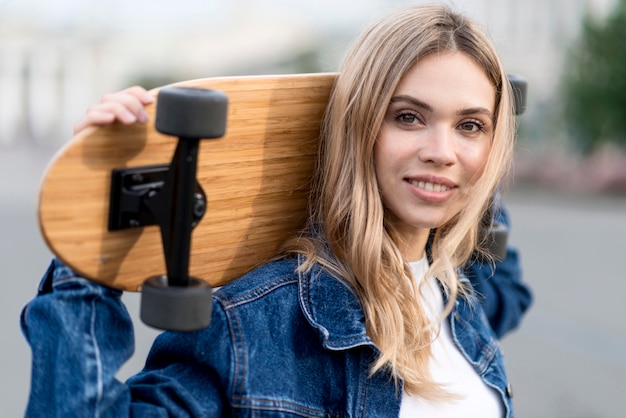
(348, 231)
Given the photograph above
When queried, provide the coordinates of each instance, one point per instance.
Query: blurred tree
(594, 83)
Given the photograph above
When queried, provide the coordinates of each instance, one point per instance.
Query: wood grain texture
(256, 179)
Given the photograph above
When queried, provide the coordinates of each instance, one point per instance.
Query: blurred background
(567, 198)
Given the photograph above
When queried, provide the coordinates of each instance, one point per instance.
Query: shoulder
(277, 298)
(260, 282)
(260, 297)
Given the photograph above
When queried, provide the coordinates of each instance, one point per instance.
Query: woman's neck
(413, 245)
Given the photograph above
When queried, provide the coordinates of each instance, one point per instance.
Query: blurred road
(568, 359)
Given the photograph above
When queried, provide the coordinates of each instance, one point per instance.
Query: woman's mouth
(430, 187)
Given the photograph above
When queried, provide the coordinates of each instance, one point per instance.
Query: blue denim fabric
(502, 293)
(80, 335)
(280, 344)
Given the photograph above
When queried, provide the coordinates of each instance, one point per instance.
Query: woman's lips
(432, 189)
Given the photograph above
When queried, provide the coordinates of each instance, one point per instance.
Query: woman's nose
(438, 147)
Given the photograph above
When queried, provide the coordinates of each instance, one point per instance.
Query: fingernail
(128, 117)
(143, 116)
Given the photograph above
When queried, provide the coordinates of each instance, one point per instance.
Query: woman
(365, 313)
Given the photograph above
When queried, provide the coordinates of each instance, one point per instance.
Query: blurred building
(50, 72)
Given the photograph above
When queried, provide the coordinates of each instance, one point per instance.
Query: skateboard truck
(169, 196)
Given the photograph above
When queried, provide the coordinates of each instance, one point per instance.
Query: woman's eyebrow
(474, 111)
(425, 106)
(413, 101)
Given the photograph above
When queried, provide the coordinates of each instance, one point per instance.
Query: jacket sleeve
(80, 334)
(502, 293)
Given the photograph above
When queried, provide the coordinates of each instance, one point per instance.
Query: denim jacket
(280, 344)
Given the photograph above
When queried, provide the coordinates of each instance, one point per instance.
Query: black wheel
(188, 112)
(176, 308)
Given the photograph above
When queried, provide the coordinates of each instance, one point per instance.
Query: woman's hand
(126, 106)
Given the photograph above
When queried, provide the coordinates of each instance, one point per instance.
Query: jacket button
(509, 390)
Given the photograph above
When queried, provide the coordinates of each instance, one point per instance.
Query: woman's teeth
(431, 187)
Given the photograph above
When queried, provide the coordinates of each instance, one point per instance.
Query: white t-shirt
(449, 367)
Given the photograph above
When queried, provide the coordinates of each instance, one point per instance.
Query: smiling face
(433, 144)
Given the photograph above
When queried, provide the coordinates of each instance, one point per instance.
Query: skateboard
(207, 190)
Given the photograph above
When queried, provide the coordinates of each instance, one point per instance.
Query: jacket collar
(332, 307)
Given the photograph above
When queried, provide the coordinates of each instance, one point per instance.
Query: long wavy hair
(349, 233)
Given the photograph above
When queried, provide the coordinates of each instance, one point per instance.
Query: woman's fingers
(126, 106)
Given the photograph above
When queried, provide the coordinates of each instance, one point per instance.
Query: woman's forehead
(448, 78)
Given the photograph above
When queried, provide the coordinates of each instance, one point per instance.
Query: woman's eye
(472, 126)
(407, 118)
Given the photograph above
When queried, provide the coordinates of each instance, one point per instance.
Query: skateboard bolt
(199, 206)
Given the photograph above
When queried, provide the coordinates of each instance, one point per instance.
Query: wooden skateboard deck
(256, 179)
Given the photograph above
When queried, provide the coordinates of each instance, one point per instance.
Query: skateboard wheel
(188, 112)
(176, 308)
